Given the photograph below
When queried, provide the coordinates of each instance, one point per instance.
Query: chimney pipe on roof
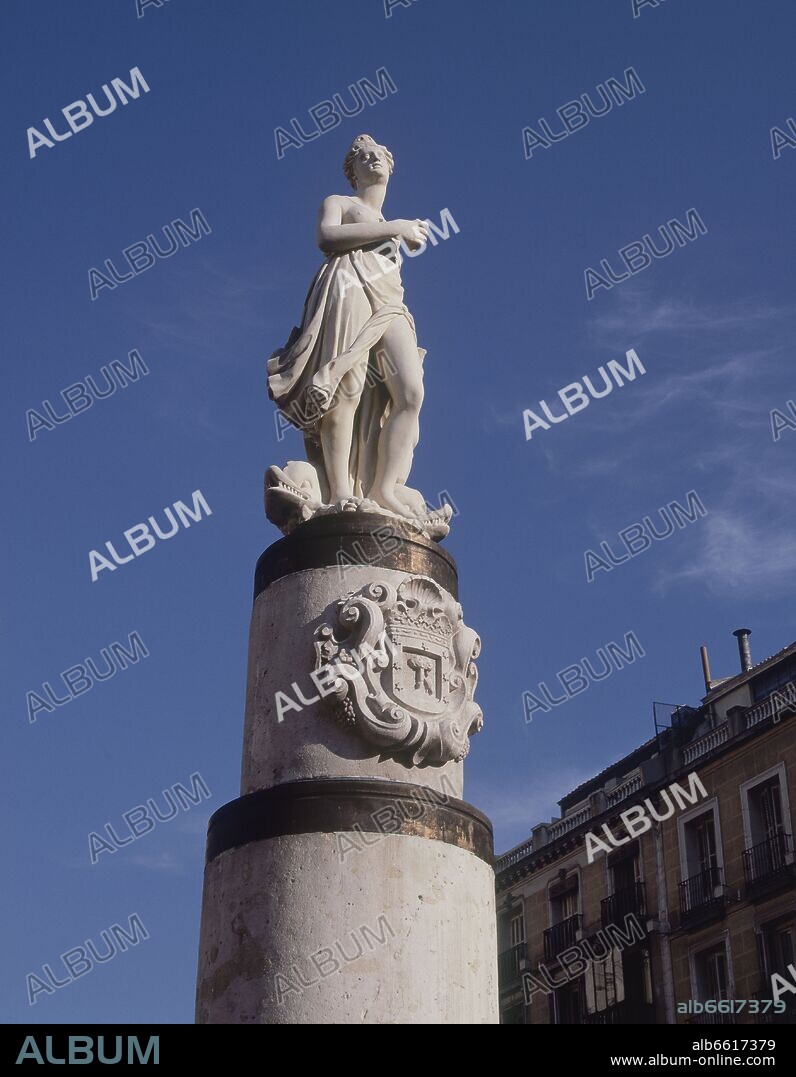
(744, 650)
(703, 652)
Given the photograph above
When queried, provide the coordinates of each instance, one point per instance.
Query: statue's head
(367, 162)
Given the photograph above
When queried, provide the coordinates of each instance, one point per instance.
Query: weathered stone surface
(309, 742)
(401, 932)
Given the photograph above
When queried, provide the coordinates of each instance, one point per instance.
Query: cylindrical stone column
(350, 883)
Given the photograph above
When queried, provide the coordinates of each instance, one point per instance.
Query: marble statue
(350, 377)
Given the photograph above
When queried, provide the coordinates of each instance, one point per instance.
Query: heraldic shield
(400, 664)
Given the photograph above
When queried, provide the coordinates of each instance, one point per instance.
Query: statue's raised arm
(350, 377)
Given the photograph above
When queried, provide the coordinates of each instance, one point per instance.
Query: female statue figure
(351, 376)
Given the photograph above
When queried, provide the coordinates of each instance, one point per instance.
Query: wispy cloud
(638, 312)
(715, 386)
(739, 555)
(724, 371)
(159, 862)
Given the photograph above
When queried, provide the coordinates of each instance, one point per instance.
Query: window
(605, 982)
(765, 810)
(626, 891)
(563, 906)
(512, 936)
(767, 829)
(622, 976)
(564, 916)
(567, 1004)
(701, 888)
(701, 861)
(711, 974)
(623, 874)
(517, 929)
(700, 839)
(776, 949)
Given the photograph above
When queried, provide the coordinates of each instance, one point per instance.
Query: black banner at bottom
(615, 1046)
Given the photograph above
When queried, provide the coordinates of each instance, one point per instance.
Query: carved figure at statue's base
(293, 496)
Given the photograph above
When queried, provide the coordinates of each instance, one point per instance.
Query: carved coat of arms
(404, 672)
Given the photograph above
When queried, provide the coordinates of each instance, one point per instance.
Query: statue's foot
(346, 504)
(388, 500)
(368, 505)
(413, 502)
(409, 505)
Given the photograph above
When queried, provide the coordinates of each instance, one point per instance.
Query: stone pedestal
(350, 883)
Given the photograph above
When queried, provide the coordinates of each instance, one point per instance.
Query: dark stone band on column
(365, 805)
(356, 538)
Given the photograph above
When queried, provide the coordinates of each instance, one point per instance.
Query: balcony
(707, 744)
(712, 1019)
(561, 937)
(628, 1012)
(702, 897)
(563, 826)
(615, 908)
(509, 968)
(543, 835)
(514, 856)
(628, 787)
(768, 866)
(775, 706)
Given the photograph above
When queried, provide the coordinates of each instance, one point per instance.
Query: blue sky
(500, 307)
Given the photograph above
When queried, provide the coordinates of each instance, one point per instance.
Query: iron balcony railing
(768, 859)
(711, 1019)
(628, 1012)
(561, 936)
(702, 895)
(615, 908)
(509, 964)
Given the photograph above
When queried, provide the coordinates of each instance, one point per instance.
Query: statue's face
(371, 166)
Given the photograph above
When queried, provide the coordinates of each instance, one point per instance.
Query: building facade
(666, 892)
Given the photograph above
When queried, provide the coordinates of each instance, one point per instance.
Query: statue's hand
(413, 233)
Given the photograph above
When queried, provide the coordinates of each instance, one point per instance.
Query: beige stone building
(689, 900)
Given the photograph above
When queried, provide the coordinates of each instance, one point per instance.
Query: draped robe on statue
(351, 302)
